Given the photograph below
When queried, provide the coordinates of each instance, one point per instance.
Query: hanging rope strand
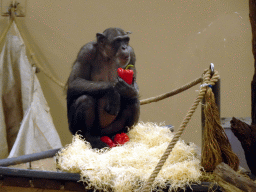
(206, 80)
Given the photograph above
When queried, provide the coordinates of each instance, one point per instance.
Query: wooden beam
(246, 134)
(233, 178)
(252, 16)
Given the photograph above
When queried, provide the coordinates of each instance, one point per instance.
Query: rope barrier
(172, 93)
(206, 80)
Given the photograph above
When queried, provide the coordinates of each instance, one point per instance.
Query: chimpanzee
(99, 102)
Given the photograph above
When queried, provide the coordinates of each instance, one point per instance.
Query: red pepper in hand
(108, 141)
(126, 74)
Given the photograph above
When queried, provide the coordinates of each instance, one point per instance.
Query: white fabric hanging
(26, 125)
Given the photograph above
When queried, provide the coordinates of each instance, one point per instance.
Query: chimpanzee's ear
(100, 38)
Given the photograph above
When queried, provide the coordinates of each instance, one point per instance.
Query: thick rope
(169, 94)
(206, 80)
(216, 146)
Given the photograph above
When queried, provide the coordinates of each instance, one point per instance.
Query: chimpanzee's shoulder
(89, 47)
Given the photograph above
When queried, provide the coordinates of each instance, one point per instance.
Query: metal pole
(28, 158)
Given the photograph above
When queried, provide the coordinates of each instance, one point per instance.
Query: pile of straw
(127, 167)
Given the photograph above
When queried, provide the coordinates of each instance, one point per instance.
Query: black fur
(98, 101)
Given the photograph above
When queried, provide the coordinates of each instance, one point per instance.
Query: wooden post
(252, 15)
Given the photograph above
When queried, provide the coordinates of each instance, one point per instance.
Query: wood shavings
(127, 167)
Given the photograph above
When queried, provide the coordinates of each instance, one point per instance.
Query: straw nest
(127, 167)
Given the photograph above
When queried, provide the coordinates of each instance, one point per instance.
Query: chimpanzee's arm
(79, 82)
(129, 116)
(80, 86)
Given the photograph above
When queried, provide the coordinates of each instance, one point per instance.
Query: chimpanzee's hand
(125, 90)
(113, 102)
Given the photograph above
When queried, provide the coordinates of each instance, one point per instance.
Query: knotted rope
(207, 80)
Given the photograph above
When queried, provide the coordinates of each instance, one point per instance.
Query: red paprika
(108, 141)
(117, 139)
(126, 74)
(125, 137)
(121, 139)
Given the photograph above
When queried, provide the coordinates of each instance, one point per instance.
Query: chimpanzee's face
(114, 44)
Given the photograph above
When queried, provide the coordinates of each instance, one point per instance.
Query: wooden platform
(42, 174)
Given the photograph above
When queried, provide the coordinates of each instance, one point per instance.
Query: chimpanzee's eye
(118, 41)
(116, 44)
(126, 40)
